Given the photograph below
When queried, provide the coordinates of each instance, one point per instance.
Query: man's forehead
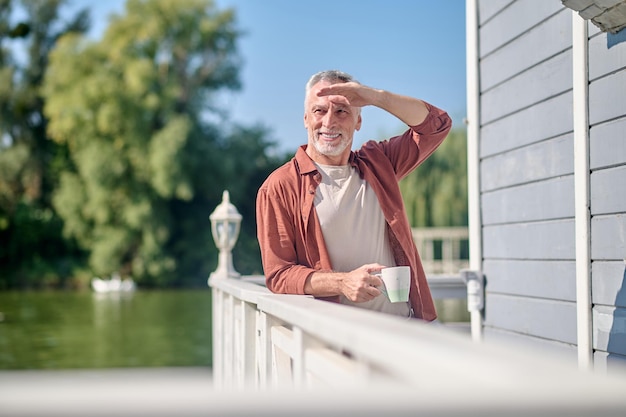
(335, 99)
(325, 101)
(323, 83)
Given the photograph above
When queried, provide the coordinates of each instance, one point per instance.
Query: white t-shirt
(354, 228)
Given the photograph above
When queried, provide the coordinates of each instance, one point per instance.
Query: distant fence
(443, 250)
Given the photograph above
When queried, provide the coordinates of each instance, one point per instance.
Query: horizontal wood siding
(544, 120)
(521, 341)
(548, 79)
(609, 313)
(607, 98)
(603, 60)
(527, 167)
(532, 47)
(550, 240)
(543, 160)
(539, 279)
(604, 362)
(609, 288)
(608, 190)
(531, 202)
(527, 177)
(547, 319)
(513, 21)
(607, 147)
(609, 329)
(487, 9)
(608, 237)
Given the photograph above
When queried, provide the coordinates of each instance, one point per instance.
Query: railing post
(263, 351)
(218, 341)
(299, 366)
(227, 353)
(248, 332)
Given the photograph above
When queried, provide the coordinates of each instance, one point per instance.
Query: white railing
(441, 248)
(265, 342)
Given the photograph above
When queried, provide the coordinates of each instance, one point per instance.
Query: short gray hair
(332, 76)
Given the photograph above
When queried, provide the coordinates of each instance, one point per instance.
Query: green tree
(435, 194)
(150, 153)
(33, 251)
(253, 161)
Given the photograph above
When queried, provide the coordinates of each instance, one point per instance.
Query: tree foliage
(30, 230)
(435, 194)
(148, 166)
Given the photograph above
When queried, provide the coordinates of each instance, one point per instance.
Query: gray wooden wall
(607, 161)
(527, 177)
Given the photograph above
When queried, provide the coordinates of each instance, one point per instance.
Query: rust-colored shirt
(288, 229)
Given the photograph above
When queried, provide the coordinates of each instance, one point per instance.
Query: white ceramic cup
(397, 280)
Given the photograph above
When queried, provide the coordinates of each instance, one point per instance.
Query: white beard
(331, 149)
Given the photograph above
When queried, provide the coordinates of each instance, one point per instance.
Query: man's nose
(329, 118)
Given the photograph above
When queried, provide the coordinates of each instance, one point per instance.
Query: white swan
(115, 284)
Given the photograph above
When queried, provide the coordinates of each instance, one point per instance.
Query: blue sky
(411, 47)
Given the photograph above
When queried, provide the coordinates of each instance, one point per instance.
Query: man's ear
(358, 123)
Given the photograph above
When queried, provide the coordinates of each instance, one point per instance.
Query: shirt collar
(306, 165)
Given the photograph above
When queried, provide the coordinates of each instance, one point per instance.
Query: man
(331, 218)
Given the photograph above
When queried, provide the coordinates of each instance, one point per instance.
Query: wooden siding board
(542, 160)
(609, 329)
(488, 8)
(545, 120)
(608, 190)
(607, 146)
(607, 362)
(607, 98)
(608, 283)
(529, 316)
(539, 279)
(603, 60)
(536, 45)
(540, 240)
(548, 79)
(513, 21)
(518, 341)
(608, 237)
(545, 200)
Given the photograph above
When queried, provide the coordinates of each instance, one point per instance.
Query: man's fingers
(376, 281)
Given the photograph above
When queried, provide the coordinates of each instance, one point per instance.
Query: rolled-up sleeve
(415, 145)
(431, 132)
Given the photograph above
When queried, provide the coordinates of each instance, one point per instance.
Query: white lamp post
(225, 223)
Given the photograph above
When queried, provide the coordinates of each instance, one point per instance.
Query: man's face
(330, 122)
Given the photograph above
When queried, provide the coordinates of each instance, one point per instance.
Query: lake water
(64, 330)
(160, 328)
